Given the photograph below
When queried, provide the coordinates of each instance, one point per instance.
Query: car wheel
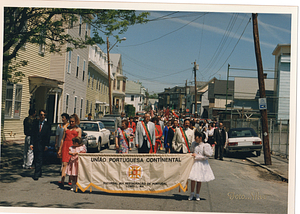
(99, 144)
(258, 153)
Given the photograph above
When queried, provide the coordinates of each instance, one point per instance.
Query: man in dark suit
(220, 139)
(40, 140)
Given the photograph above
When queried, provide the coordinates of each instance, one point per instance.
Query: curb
(282, 177)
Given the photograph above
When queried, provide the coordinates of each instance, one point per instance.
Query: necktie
(40, 127)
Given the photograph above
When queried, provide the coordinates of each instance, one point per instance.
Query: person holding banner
(183, 138)
(201, 171)
(123, 137)
(145, 135)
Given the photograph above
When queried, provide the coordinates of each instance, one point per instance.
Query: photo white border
(255, 6)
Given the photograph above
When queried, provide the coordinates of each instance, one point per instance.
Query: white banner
(133, 173)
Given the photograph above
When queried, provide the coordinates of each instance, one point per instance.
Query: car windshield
(108, 123)
(89, 126)
(241, 133)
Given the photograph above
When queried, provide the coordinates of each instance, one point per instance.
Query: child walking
(201, 171)
(72, 168)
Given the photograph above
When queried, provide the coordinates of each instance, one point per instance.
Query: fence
(278, 132)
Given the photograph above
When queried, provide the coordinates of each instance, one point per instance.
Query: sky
(161, 53)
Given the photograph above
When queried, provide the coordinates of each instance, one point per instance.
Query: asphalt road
(239, 187)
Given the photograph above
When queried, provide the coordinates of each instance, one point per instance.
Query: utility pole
(185, 94)
(109, 82)
(196, 67)
(262, 92)
(227, 88)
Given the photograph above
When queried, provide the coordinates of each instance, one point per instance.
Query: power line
(220, 44)
(212, 68)
(201, 38)
(232, 49)
(165, 34)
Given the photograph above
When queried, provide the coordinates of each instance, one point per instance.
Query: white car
(97, 135)
(243, 140)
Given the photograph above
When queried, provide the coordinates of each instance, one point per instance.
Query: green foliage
(10, 71)
(130, 110)
(48, 27)
(153, 96)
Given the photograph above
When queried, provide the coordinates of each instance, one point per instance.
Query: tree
(48, 27)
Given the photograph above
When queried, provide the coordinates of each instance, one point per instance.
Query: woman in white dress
(201, 171)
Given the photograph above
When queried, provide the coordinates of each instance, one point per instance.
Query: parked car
(140, 114)
(117, 116)
(50, 155)
(243, 140)
(112, 125)
(97, 134)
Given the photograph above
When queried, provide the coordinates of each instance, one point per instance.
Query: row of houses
(68, 82)
(237, 98)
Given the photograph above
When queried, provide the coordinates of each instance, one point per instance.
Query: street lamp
(109, 83)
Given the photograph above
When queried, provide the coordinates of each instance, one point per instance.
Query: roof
(219, 88)
(279, 47)
(114, 58)
(133, 87)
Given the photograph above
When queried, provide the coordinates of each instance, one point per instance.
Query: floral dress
(123, 146)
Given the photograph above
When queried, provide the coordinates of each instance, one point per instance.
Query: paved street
(240, 186)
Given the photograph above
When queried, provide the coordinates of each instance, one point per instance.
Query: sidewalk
(11, 153)
(279, 167)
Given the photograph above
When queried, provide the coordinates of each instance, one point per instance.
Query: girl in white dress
(201, 171)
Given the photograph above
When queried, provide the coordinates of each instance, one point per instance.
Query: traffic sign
(262, 103)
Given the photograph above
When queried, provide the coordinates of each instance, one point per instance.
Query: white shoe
(197, 197)
(191, 196)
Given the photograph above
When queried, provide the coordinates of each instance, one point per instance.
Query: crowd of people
(171, 133)
(149, 134)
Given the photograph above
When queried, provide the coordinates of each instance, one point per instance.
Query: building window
(69, 61)
(86, 31)
(67, 103)
(75, 105)
(91, 109)
(92, 81)
(13, 111)
(89, 79)
(42, 43)
(124, 85)
(83, 70)
(140, 98)
(118, 85)
(18, 101)
(77, 68)
(80, 23)
(9, 99)
(97, 83)
(87, 107)
(81, 106)
(132, 97)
